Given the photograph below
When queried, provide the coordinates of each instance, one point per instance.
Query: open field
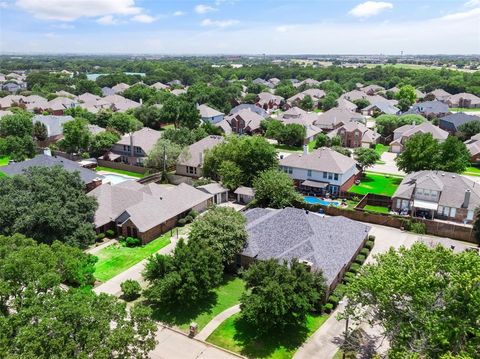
(225, 296)
(236, 335)
(115, 259)
(376, 183)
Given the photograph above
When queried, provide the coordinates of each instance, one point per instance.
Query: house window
(325, 174)
(309, 173)
(192, 170)
(469, 215)
(335, 176)
(330, 175)
(399, 203)
(453, 212)
(440, 209)
(138, 149)
(290, 170)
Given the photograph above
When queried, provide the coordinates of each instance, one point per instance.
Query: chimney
(132, 152)
(200, 157)
(466, 200)
(47, 152)
(305, 149)
(141, 102)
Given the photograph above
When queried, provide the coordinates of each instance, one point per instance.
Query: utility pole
(346, 337)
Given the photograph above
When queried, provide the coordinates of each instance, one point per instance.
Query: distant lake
(94, 77)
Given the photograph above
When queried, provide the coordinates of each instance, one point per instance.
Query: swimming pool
(115, 178)
(315, 200)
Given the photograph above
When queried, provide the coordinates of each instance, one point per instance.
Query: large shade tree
(47, 204)
(274, 188)
(427, 300)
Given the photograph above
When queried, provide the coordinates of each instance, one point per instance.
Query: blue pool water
(315, 200)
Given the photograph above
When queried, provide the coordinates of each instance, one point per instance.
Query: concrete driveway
(389, 166)
(325, 342)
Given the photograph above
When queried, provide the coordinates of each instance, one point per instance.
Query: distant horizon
(234, 27)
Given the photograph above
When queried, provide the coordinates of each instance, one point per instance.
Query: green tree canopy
(306, 103)
(163, 155)
(421, 152)
(467, 130)
(454, 155)
(47, 204)
(274, 188)
(185, 277)
(184, 136)
(148, 115)
(123, 122)
(76, 136)
(280, 295)
(179, 111)
(251, 154)
(366, 157)
(103, 141)
(222, 229)
(418, 296)
(408, 94)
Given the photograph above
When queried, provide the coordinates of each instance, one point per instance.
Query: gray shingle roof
(322, 159)
(194, 154)
(54, 124)
(86, 175)
(329, 243)
(453, 121)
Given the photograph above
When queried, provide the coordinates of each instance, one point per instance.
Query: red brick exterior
(350, 182)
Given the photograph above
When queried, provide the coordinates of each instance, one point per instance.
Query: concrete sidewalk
(112, 286)
(215, 322)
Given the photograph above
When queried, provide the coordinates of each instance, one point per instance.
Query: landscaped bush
(110, 233)
(369, 245)
(132, 242)
(181, 222)
(100, 237)
(371, 238)
(333, 300)
(354, 268)
(189, 219)
(418, 227)
(327, 308)
(130, 289)
(121, 239)
(360, 259)
(365, 251)
(193, 213)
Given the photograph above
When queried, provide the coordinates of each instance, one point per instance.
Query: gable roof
(455, 120)
(246, 106)
(329, 243)
(424, 127)
(42, 160)
(193, 155)
(451, 185)
(322, 159)
(336, 116)
(207, 111)
(54, 124)
(252, 119)
(430, 107)
(144, 138)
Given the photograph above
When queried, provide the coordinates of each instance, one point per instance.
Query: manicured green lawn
(115, 259)
(377, 184)
(472, 171)
(286, 148)
(122, 172)
(380, 149)
(457, 109)
(236, 335)
(166, 127)
(311, 146)
(379, 209)
(4, 161)
(225, 296)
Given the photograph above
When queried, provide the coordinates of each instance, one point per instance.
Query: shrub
(130, 289)
(418, 228)
(354, 268)
(371, 238)
(189, 219)
(121, 239)
(327, 308)
(182, 222)
(360, 259)
(369, 245)
(365, 251)
(349, 274)
(132, 242)
(100, 237)
(333, 300)
(110, 233)
(193, 213)
(339, 292)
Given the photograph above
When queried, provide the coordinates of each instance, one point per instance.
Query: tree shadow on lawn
(262, 346)
(183, 314)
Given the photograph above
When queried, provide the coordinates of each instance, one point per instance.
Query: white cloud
(107, 20)
(461, 16)
(146, 19)
(4, 4)
(178, 13)
(69, 10)
(203, 9)
(370, 8)
(472, 3)
(63, 26)
(219, 23)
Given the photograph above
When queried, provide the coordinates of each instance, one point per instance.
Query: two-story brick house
(437, 194)
(321, 171)
(355, 134)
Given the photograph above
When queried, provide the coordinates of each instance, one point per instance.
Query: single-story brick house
(329, 244)
(145, 211)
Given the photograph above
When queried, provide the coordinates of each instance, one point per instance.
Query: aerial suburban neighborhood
(229, 179)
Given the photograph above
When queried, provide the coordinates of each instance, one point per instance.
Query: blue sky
(240, 26)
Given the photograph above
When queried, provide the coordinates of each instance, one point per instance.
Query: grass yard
(457, 109)
(377, 184)
(380, 149)
(286, 148)
(115, 259)
(472, 171)
(4, 161)
(311, 146)
(379, 209)
(225, 296)
(121, 172)
(236, 335)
